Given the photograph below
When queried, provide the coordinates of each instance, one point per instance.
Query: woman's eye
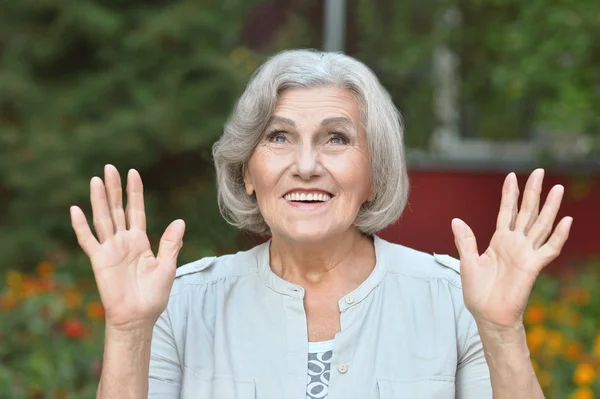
(338, 139)
(277, 137)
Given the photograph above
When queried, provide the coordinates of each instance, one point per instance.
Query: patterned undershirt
(319, 365)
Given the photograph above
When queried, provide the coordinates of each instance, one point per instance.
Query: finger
(171, 242)
(85, 238)
(465, 240)
(115, 197)
(508, 204)
(136, 215)
(530, 205)
(542, 227)
(102, 221)
(550, 250)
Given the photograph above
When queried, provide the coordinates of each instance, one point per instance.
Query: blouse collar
(284, 287)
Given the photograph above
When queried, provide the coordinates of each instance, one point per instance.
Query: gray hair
(309, 69)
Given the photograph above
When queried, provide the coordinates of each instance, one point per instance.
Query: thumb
(464, 239)
(171, 241)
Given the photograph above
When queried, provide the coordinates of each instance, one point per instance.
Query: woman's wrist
(508, 358)
(505, 345)
(125, 363)
(128, 337)
(506, 335)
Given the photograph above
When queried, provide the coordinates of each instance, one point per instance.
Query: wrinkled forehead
(327, 105)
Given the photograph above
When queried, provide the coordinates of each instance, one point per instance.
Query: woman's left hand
(497, 283)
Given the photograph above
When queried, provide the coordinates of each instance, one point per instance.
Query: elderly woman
(313, 156)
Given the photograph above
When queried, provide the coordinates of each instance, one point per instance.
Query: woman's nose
(307, 163)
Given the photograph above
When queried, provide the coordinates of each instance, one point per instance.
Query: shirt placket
(297, 338)
(342, 368)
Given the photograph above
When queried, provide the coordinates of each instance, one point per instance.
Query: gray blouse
(233, 329)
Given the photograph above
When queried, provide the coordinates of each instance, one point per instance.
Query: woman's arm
(125, 365)
(133, 283)
(507, 356)
(497, 283)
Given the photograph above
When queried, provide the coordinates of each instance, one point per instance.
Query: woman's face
(311, 170)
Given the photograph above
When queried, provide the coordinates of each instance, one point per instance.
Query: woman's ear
(247, 180)
(371, 196)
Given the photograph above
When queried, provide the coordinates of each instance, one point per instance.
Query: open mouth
(307, 198)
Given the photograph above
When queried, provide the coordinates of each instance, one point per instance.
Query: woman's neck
(345, 258)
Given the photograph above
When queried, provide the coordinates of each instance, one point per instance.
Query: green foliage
(524, 65)
(563, 332)
(149, 84)
(139, 84)
(51, 335)
(397, 40)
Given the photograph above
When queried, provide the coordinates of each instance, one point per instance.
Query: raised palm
(497, 283)
(134, 284)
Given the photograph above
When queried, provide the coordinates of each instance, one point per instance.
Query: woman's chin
(308, 233)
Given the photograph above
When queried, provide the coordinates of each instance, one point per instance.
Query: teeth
(307, 197)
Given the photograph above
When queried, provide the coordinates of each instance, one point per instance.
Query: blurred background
(485, 87)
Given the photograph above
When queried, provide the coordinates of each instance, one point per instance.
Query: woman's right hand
(134, 284)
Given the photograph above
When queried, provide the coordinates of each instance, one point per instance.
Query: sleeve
(164, 379)
(472, 374)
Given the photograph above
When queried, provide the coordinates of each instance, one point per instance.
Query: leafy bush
(139, 84)
(563, 333)
(51, 335)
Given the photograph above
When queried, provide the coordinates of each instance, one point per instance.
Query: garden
(149, 84)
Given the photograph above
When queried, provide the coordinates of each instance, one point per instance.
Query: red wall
(436, 197)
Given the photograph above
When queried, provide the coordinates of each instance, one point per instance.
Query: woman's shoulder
(410, 262)
(212, 269)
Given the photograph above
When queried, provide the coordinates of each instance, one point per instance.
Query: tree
(524, 66)
(139, 84)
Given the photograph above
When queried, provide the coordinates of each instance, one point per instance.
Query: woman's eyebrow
(280, 119)
(338, 120)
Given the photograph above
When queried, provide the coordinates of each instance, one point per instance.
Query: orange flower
(94, 311)
(573, 319)
(554, 341)
(584, 374)
(14, 279)
(573, 350)
(73, 329)
(578, 295)
(31, 287)
(73, 297)
(582, 393)
(47, 285)
(535, 314)
(45, 269)
(535, 338)
(8, 300)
